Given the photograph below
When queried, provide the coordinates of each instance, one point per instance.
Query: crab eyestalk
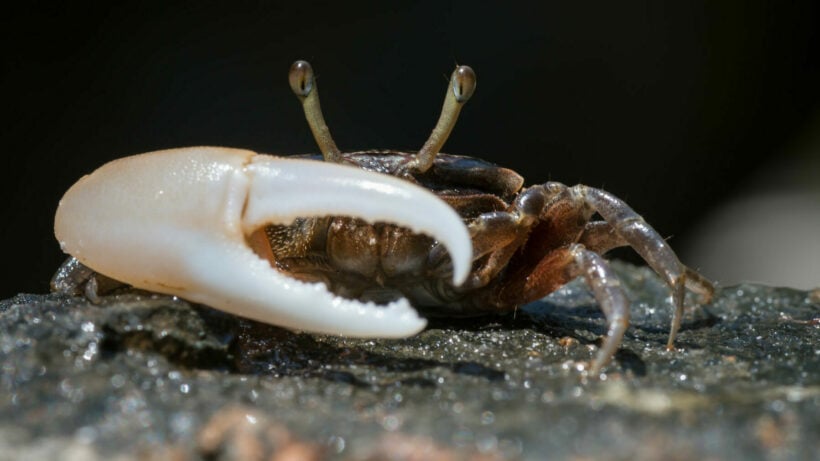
(303, 83)
(461, 87)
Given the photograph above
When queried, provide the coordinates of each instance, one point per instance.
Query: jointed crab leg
(600, 237)
(632, 228)
(501, 234)
(607, 289)
(560, 266)
(544, 239)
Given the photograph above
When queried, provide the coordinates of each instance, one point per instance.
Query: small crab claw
(176, 222)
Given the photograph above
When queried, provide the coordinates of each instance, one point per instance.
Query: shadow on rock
(269, 350)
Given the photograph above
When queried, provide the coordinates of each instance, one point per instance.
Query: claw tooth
(248, 286)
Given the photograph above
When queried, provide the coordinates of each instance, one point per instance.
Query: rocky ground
(143, 376)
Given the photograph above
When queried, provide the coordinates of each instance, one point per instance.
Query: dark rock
(151, 376)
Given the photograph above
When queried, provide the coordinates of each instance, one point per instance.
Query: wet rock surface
(149, 376)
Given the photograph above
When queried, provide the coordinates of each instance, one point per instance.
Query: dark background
(668, 105)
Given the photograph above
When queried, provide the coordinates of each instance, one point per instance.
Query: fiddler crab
(348, 245)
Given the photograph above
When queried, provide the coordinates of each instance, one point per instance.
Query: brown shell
(450, 174)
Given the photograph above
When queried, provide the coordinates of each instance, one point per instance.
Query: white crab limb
(175, 222)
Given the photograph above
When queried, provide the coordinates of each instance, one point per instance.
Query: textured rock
(143, 376)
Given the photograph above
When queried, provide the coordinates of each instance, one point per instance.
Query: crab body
(348, 244)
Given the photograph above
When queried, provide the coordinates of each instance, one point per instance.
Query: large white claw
(175, 222)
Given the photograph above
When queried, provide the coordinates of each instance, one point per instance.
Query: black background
(669, 105)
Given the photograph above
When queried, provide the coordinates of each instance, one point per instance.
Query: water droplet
(487, 418)
(391, 422)
(117, 381)
(336, 443)
(487, 444)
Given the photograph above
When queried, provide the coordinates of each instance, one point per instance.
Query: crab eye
(463, 83)
(301, 78)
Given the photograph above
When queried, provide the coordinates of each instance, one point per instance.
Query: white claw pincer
(176, 222)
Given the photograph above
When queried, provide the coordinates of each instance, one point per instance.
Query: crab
(354, 244)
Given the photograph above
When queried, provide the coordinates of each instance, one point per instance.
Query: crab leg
(177, 222)
(564, 264)
(632, 228)
(610, 295)
(600, 237)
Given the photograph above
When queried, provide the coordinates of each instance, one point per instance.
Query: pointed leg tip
(597, 365)
(594, 371)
